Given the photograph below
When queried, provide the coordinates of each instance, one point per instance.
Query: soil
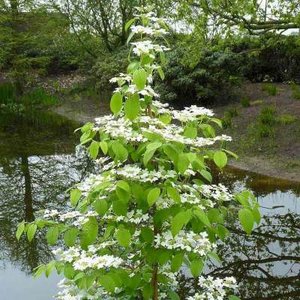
(277, 156)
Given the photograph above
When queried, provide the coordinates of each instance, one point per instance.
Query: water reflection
(37, 165)
(267, 263)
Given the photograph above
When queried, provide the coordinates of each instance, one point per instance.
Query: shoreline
(259, 165)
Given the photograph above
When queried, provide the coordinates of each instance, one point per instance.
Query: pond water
(37, 165)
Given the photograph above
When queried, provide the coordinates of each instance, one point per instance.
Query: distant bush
(210, 82)
(108, 65)
(7, 93)
(277, 59)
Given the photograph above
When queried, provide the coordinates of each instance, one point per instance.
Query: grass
(286, 119)
(270, 88)
(228, 116)
(256, 102)
(38, 96)
(295, 91)
(266, 120)
(245, 102)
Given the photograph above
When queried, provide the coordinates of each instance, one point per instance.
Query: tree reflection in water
(266, 263)
(35, 171)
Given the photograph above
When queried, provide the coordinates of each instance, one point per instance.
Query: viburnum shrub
(151, 212)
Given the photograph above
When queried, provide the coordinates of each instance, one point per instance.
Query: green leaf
(231, 153)
(153, 196)
(161, 73)
(246, 219)
(39, 271)
(147, 156)
(52, 235)
(180, 220)
(206, 175)
(75, 196)
(147, 234)
(190, 132)
(89, 232)
(256, 215)
(201, 215)
(104, 147)
(120, 151)
(120, 208)
(154, 146)
(233, 297)
(70, 236)
(49, 268)
(182, 163)
(133, 66)
(116, 103)
(31, 231)
(123, 237)
(173, 194)
(129, 23)
(20, 230)
(196, 267)
(132, 107)
(220, 159)
(69, 271)
(173, 295)
(222, 231)
(108, 283)
(165, 118)
(177, 262)
(140, 78)
(100, 206)
(94, 149)
(214, 256)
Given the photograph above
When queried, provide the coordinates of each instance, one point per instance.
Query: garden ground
(264, 124)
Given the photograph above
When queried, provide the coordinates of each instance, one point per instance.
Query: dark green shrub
(7, 93)
(275, 58)
(109, 65)
(210, 82)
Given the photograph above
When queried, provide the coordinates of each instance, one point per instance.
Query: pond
(37, 165)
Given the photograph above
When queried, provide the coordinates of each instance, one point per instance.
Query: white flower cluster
(80, 218)
(133, 216)
(69, 291)
(188, 114)
(173, 133)
(188, 241)
(118, 128)
(148, 48)
(154, 31)
(82, 260)
(96, 179)
(136, 173)
(217, 192)
(214, 288)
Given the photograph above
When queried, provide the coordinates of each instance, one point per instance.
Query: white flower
(188, 241)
